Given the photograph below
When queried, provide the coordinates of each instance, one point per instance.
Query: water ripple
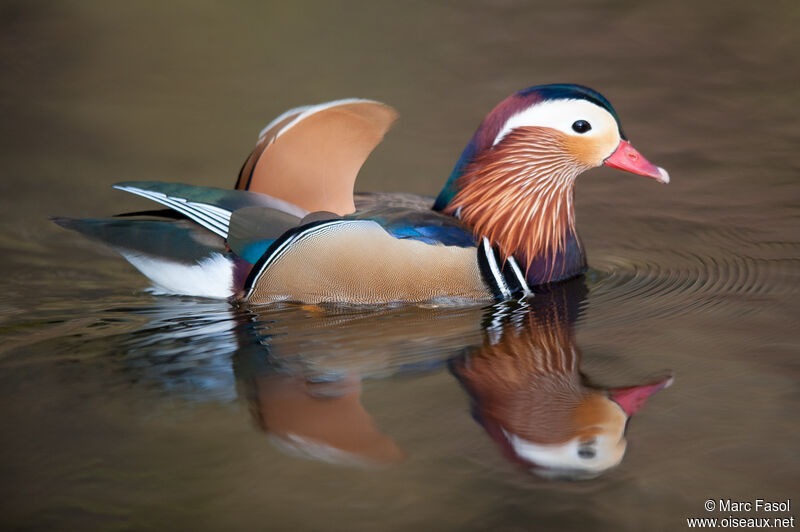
(704, 277)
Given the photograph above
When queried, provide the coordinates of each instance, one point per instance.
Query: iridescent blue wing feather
(253, 229)
(426, 226)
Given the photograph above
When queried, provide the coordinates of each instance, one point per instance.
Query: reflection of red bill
(632, 399)
(627, 158)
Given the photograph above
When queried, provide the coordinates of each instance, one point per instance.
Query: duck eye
(581, 126)
(586, 452)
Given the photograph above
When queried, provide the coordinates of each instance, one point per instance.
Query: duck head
(589, 438)
(514, 181)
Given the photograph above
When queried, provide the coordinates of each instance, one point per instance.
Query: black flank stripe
(512, 281)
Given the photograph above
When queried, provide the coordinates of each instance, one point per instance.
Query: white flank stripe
(520, 277)
(498, 276)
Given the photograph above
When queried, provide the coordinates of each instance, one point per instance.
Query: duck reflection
(301, 371)
(304, 389)
(319, 420)
(521, 368)
(529, 395)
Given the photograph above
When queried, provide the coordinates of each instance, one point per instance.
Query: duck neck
(527, 380)
(519, 194)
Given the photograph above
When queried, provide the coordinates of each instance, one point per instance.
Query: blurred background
(699, 277)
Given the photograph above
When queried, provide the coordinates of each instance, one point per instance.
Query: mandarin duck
(292, 229)
(529, 395)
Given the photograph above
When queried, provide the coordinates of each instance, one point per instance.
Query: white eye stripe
(560, 115)
(609, 451)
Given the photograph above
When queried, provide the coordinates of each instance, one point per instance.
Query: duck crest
(519, 194)
(482, 139)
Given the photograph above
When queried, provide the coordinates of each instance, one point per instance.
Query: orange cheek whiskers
(519, 194)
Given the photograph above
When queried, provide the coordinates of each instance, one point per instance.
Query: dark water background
(121, 410)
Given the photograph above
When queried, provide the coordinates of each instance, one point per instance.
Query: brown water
(122, 410)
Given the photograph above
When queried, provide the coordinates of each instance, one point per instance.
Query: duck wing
(310, 156)
(192, 256)
(208, 206)
(409, 216)
(253, 229)
(178, 241)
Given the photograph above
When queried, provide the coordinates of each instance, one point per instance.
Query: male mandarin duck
(294, 230)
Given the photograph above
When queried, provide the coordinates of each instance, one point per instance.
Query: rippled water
(125, 410)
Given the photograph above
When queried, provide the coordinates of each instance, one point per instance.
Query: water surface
(125, 410)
